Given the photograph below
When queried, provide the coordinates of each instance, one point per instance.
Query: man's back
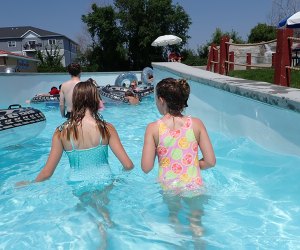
(67, 92)
(67, 87)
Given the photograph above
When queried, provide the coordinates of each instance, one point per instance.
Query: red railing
(222, 61)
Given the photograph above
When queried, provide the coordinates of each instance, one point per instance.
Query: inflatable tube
(145, 75)
(18, 124)
(114, 94)
(45, 98)
(144, 90)
(124, 79)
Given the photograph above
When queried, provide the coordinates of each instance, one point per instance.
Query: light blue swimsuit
(89, 167)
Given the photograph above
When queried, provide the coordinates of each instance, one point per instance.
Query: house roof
(18, 32)
(15, 55)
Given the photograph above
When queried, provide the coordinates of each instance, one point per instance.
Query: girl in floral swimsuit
(175, 139)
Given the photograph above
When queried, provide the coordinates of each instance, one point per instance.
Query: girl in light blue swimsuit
(85, 138)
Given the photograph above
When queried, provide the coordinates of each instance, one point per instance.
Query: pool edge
(284, 97)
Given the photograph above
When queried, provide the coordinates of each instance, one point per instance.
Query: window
(32, 42)
(30, 45)
(73, 47)
(12, 44)
(51, 41)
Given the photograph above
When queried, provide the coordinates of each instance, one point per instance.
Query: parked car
(8, 69)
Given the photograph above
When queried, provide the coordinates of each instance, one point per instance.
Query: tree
(142, 21)
(107, 51)
(262, 32)
(282, 9)
(216, 38)
(122, 35)
(50, 60)
(190, 57)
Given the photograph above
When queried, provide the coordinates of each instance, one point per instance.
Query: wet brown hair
(129, 93)
(74, 69)
(175, 93)
(85, 96)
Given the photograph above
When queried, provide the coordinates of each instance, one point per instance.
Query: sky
(64, 16)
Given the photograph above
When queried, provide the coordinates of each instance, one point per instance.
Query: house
(27, 40)
(12, 62)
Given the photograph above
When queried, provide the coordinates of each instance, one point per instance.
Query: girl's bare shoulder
(152, 127)
(111, 128)
(153, 124)
(198, 125)
(197, 120)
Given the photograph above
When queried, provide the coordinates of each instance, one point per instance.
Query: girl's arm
(62, 102)
(101, 105)
(209, 159)
(53, 159)
(149, 148)
(118, 149)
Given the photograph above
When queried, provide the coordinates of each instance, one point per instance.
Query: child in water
(131, 97)
(83, 135)
(175, 139)
(85, 138)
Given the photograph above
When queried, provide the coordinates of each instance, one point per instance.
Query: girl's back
(177, 151)
(88, 154)
(88, 136)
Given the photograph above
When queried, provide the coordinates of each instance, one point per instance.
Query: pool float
(116, 94)
(113, 94)
(45, 98)
(124, 79)
(19, 124)
(146, 73)
(143, 91)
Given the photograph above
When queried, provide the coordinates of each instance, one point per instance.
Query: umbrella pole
(165, 53)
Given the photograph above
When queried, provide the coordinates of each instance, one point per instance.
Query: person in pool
(85, 138)
(85, 133)
(131, 97)
(54, 91)
(175, 139)
(65, 100)
(134, 86)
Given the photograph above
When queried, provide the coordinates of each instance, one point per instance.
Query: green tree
(235, 37)
(107, 52)
(125, 32)
(142, 21)
(216, 38)
(50, 60)
(192, 58)
(217, 35)
(262, 32)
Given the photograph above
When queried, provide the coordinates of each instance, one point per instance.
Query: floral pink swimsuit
(177, 152)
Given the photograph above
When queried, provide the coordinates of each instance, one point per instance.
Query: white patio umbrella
(166, 40)
(291, 22)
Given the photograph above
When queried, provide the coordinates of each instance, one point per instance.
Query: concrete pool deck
(283, 97)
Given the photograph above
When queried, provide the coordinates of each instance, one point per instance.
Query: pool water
(251, 201)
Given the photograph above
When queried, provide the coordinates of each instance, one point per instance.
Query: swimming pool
(251, 201)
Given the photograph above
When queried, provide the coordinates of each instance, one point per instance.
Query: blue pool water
(252, 199)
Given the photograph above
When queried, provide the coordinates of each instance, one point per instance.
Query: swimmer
(85, 138)
(131, 97)
(175, 139)
(65, 100)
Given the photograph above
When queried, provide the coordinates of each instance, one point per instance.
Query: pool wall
(272, 126)
(16, 88)
(267, 114)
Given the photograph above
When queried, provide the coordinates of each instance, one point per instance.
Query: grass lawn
(265, 75)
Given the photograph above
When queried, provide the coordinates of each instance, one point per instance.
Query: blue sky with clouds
(64, 16)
